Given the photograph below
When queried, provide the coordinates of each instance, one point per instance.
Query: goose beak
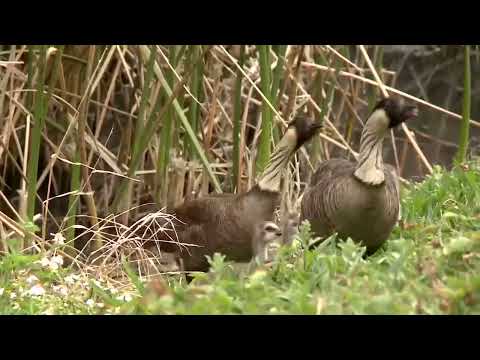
(411, 112)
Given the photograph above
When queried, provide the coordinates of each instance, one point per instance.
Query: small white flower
(125, 297)
(58, 259)
(32, 279)
(55, 262)
(59, 239)
(37, 290)
(13, 295)
(2, 290)
(97, 283)
(69, 279)
(90, 302)
(113, 291)
(45, 262)
(100, 305)
(60, 289)
(15, 306)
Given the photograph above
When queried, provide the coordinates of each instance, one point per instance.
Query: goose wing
(329, 168)
(313, 206)
(393, 191)
(203, 210)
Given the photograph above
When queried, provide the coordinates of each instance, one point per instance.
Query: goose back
(223, 224)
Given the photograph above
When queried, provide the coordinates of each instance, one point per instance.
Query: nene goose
(359, 200)
(226, 223)
(267, 235)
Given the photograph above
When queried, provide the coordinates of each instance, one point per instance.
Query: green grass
(430, 265)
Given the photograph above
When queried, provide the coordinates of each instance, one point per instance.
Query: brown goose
(359, 200)
(226, 223)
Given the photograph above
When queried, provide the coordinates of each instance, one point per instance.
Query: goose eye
(270, 228)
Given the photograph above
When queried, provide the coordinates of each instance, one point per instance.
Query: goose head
(269, 232)
(393, 111)
(299, 131)
(388, 113)
(302, 129)
(267, 235)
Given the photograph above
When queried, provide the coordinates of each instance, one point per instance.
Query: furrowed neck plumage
(270, 179)
(370, 167)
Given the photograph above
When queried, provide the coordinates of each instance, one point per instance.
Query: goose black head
(304, 129)
(397, 110)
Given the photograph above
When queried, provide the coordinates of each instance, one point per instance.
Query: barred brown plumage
(226, 224)
(359, 200)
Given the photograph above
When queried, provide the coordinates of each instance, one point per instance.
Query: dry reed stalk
(393, 90)
(404, 126)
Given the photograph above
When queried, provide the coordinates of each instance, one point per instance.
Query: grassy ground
(430, 265)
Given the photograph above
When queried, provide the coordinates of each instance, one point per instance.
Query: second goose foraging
(359, 200)
(227, 223)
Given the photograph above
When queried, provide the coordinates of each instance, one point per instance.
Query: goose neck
(370, 167)
(270, 179)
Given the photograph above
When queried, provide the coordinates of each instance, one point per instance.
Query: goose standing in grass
(226, 223)
(359, 200)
